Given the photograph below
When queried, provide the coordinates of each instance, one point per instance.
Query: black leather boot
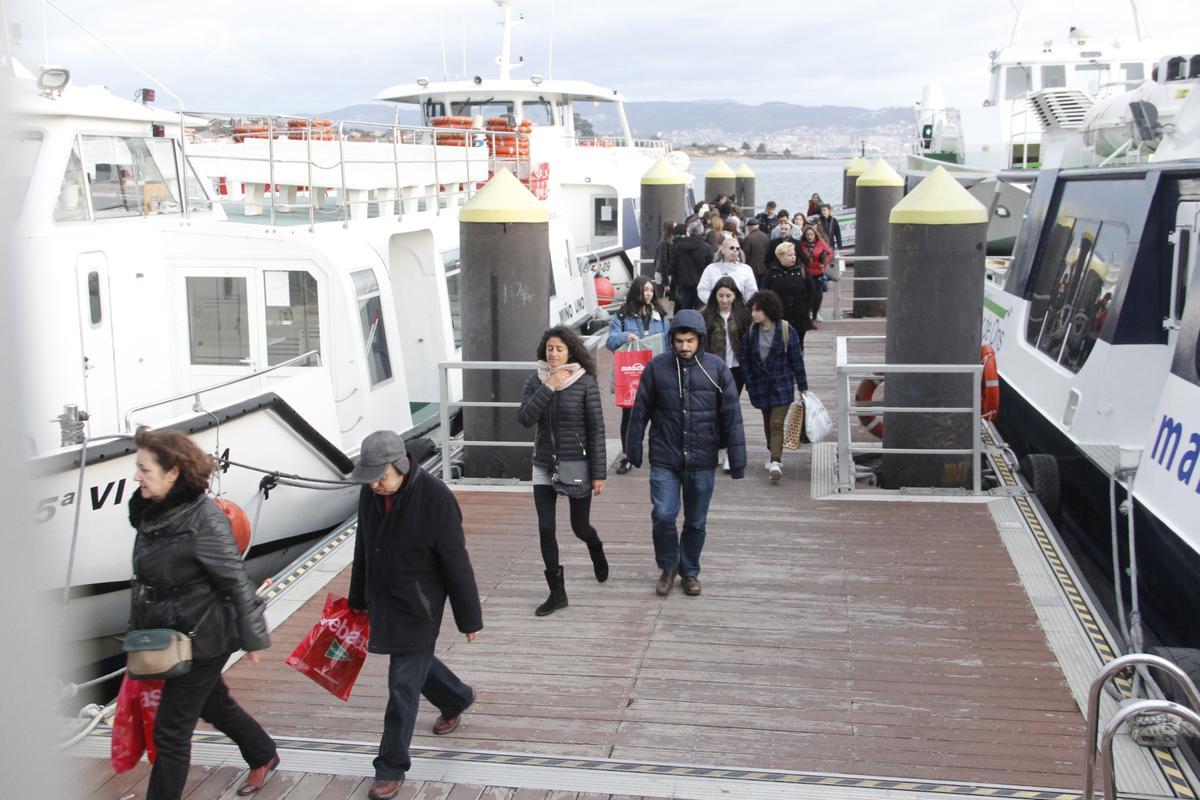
(599, 562)
(558, 593)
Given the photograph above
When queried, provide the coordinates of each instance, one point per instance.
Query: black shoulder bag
(572, 477)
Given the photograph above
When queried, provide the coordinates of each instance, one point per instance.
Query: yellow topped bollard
(664, 201)
(878, 189)
(743, 190)
(935, 316)
(855, 167)
(504, 286)
(720, 180)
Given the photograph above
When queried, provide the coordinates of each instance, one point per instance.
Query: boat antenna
(117, 53)
(463, 21)
(506, 42)
(1017, 8)
(1137, 20)
(45, 37)
(550, 60)
(442, 35)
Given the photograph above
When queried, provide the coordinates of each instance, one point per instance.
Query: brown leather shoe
(665, 582)
(257, 777)
(690, 584)
(443, 726)
(384, 790)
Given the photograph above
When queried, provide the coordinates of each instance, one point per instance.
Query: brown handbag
(159, 654)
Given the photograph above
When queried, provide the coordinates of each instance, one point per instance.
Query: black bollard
(877, 192)
(855, 167)
(720, 180)
(744, 190)
(935, 315)
(505, 295)
(663, 198)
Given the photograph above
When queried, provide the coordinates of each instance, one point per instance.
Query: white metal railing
(480, 148)
(444, 368)
(195, 393)
(657, 145)
(840, 277)
(848, 370)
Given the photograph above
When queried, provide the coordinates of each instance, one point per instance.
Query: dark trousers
(411, 675)
(739, 378)
(626, 413)
(685, 297)
(822, 282)
(545, 500)
(200, 694)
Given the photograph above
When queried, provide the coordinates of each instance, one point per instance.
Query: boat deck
(904, 648)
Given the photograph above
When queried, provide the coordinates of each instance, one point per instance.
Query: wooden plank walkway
(868, 638)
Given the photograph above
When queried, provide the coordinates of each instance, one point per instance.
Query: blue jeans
(666, 486)
(411, 675)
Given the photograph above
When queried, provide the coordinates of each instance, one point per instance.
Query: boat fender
(238, 521)
(605, 292)
(865, 394)
(990, 386)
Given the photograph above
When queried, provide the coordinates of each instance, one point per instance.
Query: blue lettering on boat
(1166, 447)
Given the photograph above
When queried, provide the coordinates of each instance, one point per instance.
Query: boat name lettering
(1166, 447)
(45, 509)
(993, 333)
(569, 310)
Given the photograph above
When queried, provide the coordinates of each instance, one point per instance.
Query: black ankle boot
(558, 593)
(599, 561)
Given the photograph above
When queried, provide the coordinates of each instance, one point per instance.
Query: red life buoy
(990, 384)
(238, 521)
(865, 394)
(605, 293)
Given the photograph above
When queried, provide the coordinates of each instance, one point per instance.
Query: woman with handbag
(642, 315)
(188, 576)
(773, 361)
(569, 455)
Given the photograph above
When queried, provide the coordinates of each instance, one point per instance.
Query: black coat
(689, 257)
(691, 406)
(573, 417)
(408, 561)
(798, 291)
(833, 231)
(185, 563)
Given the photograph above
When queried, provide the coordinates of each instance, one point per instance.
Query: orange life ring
(865, 394)
(451, 122)
(238, 522)
(990, 384)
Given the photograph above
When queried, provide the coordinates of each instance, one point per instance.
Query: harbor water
(787, 181)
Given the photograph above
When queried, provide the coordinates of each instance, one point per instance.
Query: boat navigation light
(478, 80)
(52, 79)
(422, 82)
(536, 80)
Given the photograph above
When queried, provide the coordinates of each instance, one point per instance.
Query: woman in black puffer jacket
(561, 398)
(187, 575)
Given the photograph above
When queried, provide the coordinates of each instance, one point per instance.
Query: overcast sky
(303, 56)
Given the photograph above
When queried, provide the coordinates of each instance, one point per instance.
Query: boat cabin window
(1054, 76)
(537, 111)
(218, 321)
(452, 263)
(431, 109)
(604, 217)
(1017, 81)
(1091, 77)
(127, 175)
(370, 311)
(292, 317)
(484, 108)
(1073, 289)
(1134, 73)
(70, 204)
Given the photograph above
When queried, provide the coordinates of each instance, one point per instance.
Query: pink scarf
(576, 371)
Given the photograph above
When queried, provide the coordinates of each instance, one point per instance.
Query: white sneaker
(776, 470)
(725, 461)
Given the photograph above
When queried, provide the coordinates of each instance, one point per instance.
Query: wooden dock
(839, 649)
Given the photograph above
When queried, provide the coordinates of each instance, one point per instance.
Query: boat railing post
(977, 437)
(843, 395)
(444, 414)
(343, 198)
(467, 165)
(1110, 731)
(183, 169)
(271, 164)
(399, 207)
(312, 214)
(839, 271)
(1092, 710)
(437, 180)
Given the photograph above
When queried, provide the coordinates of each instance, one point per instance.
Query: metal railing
(480, 148)
(840, 274)
(847, 370)
(195, 393)
(444, 368)
(656, 145)
(1131, 661)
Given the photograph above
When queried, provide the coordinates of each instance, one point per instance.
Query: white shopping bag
(817, 422)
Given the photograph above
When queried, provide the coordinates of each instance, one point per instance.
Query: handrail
(444, 368)
(1093, 707)
(197, 392)
(839, 275)
(847, 370)
(1110, 731)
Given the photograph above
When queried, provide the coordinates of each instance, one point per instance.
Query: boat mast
(1137, 19)
(506, 43)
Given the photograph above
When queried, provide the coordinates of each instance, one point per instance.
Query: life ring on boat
(864, 394)
(238, 521)
(243, 132)
(451, 122)
(990, 384)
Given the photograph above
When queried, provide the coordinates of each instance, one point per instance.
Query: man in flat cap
(410, 555)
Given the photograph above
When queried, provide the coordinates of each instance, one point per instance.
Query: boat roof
(95, 102)
(495, 87)
(1071, 51)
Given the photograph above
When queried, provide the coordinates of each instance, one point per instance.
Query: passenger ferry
(1095, 325)
(278, 287)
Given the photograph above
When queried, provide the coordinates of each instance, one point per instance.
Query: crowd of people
(743, 291)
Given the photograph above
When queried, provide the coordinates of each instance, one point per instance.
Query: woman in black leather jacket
(187, 575)
(562, 399)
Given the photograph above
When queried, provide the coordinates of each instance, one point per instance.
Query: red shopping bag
(627, 370)
(133, 723)
(333, 652)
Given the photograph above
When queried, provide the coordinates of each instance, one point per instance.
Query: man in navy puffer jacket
(690, 401)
